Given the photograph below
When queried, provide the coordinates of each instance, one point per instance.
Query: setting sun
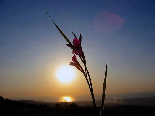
(66, 99)
(65, 74)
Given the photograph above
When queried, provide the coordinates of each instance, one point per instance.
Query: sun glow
(66, 99)
(65, 74)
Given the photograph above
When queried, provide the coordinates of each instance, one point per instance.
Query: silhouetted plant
(103, 94)
(78, 51)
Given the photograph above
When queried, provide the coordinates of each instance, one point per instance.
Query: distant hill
(142, 101)
(118, 107)
(33, 108)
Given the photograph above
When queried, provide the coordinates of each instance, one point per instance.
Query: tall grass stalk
(103, 94)
(88, 78)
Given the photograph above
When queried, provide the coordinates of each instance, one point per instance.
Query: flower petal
(76, 42)
(76, 64)
(74, 59)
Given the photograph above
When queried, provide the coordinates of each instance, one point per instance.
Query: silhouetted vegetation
(18, 108)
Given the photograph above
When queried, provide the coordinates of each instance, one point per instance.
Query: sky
(120, 32)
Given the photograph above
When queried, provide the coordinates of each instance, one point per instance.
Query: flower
(77, 49)
(76, 64)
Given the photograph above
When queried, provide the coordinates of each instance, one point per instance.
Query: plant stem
(103, 95)
(88, 81)
(91, 88)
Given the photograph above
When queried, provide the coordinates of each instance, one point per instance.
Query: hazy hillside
(124, 107)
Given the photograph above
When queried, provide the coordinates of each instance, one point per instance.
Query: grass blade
(59, 29)
(103, 95)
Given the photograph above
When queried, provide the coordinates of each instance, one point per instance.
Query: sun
(66, 99)
(65, 74)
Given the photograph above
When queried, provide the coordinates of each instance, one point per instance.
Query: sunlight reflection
(66, 99)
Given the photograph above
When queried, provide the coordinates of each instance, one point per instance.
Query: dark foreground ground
(19, 108)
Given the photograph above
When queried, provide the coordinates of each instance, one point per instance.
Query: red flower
(77, 49)
(76, 64)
